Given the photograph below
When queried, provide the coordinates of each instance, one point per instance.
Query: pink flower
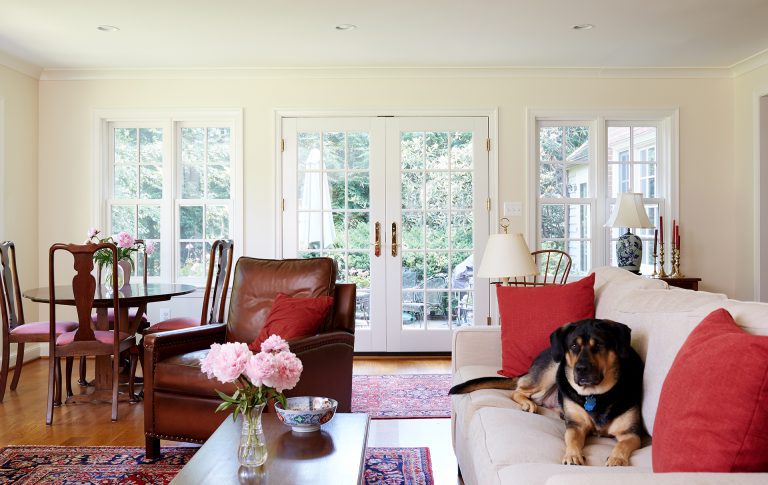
(260, 367)
(274, 344)
(288, 370)
(226, 362)
(125, 240)
(92, 232)
(149, 248)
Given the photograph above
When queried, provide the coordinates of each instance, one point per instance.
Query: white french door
(400, 204)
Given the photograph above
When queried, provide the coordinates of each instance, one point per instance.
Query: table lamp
(629, 212)
(506, 256)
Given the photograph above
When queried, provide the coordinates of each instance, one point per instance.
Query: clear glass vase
(107, 274)
(253, 444)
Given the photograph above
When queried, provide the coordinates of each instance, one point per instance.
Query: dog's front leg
(575, 434)
(627, 443)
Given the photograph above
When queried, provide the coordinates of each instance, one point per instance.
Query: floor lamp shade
(629, 212)
(506, 256)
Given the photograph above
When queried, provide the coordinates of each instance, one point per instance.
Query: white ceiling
(57, 34)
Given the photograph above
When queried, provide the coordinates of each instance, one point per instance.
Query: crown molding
(751, 63)
(382, 72)
(20, 66)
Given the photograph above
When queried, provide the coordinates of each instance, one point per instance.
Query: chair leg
(132, 376)
(82, 380)
(115, 383)
(51, 372)
(4, 370)
(70, 362)
(152, 448)
(57, 384)
(19, 365)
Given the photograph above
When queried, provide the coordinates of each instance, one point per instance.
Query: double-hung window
(581, 164)
(174, 180)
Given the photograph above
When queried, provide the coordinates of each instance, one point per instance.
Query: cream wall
(706, 141)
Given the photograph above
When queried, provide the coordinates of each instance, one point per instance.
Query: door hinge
(488, 320)
(282, 145)
(488, 204)
(282, 205)
(488, 144)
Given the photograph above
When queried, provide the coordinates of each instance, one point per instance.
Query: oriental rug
(402, 396)
(402, 466)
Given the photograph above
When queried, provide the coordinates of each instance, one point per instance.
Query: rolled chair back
(214, 300)
(10, 301)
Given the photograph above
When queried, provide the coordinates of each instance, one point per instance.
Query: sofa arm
(632, 478)
(306, 344)
(476, 346)
(161, 345)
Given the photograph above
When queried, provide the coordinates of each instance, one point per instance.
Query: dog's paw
(616, 461)
(573, 458)
(529, 406)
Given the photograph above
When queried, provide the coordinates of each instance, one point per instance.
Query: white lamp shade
(629, 212)
(507, 256)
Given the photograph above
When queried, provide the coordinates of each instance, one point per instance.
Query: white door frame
(760, 158)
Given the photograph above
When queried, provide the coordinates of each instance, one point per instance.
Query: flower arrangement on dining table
(126, 244)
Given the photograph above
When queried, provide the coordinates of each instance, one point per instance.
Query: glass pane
(559, 245)
(153, 261)
(149, 222)
(578, 221)
(462, 270)
(126, 182)
(151, 182)
(412, 150)
(462, 308)
(413, 310)
(646, 265)
(191, 222)
(577, 143)
(193, 145)
(550, 180)
(551, 143)
(359, 231)
(412, 190)
(437, 270)
(313, 191)
(413, 269)
(359, 270)
(437, 230)
(618, 143)
(151, 145)
(311, 227)
(192, 181)
(413, 230)
(359, 190)
(337, 236)
(123, 218)
(461, 150)
(216, 222)
(578, 180)
(437, 309)
(359, 150)
(645, 179)
(461, 230)
(552, 221)
(653, 216)
(333, 151)
(580, 257)
(461, 190)
(126, 145)
(218, 182)
(437, 190)
(334, 185)
(436, 148)
(618, 179)
(644, 141)
(219, 144)
(191, 259)
(308, 151)
(341, 266)
(362, 308)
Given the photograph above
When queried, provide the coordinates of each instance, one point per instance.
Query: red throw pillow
(713, 409)
(530, 314)
(293, 318)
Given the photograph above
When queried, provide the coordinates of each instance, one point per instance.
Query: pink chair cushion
(103, 336)
(173, 324)
(43, 328)
(111, 314)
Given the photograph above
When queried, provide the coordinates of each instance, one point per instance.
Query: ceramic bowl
(306, 413)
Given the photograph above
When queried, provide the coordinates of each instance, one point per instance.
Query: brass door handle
(377, 244)
(394, 239)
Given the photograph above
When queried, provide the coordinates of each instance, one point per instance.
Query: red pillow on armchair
(293, 318)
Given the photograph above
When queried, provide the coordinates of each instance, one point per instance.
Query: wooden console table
(687, 283)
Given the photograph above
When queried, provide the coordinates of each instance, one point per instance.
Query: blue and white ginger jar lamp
(629, 212)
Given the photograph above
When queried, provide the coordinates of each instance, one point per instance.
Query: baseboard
(31, 352)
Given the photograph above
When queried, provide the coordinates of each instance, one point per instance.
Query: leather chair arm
(161, 345)
(306, 344)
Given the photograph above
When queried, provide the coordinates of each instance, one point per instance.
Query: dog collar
(590, 402)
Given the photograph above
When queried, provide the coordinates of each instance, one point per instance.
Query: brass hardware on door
(394, 239)
(377, 244)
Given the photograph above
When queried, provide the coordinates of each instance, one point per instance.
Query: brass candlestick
(662, 273)
(676, 264)
(655, 273)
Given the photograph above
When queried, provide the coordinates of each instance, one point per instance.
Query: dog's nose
(580, 367)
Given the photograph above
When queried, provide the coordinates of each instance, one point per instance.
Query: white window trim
(168, 119)
(667, 143)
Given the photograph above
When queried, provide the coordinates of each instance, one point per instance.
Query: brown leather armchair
(180, 401)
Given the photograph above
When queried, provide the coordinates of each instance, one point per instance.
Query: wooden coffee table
(334, 454)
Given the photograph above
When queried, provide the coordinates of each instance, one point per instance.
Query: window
(173, 181)
(581, 166)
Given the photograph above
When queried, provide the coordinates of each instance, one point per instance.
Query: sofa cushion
(182, 373)
(539, 474)
(713, 411)
(530, 315)
(292, 318)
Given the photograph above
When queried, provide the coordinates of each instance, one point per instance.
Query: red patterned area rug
(401, 466)
(89, 464)
(402, 396)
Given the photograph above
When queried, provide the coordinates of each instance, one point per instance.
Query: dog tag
(590, 403)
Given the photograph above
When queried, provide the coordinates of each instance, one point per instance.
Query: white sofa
(497, 443)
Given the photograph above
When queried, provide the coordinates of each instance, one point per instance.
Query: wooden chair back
(214, 300)
(11, 307)
(554, 266)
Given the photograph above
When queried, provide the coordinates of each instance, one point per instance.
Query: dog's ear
(623, 336)
(557, 342)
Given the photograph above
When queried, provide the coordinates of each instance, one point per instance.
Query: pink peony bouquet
(257, 377)
(126, 244)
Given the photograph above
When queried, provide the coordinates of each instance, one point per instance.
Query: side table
(686, 282)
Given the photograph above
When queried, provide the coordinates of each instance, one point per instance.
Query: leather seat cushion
(182, 373)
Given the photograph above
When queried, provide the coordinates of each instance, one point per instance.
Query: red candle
(674, 233)
(678, 239)
(655, 240)
(661, 230)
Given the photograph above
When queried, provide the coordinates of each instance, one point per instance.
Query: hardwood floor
(22, 416)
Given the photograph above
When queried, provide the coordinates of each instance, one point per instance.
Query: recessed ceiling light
(108, 28)
(583, 27)
(345, 27)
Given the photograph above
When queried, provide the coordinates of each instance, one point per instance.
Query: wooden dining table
(130, 296)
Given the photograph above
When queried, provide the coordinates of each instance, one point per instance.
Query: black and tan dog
(598, 378)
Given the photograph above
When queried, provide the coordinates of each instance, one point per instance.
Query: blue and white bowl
(305, 414)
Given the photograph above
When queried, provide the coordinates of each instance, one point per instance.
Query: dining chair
(215, 297)
(554, 267)
(85, 341)
(15, 328)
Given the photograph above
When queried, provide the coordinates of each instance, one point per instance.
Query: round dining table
(136, 295)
